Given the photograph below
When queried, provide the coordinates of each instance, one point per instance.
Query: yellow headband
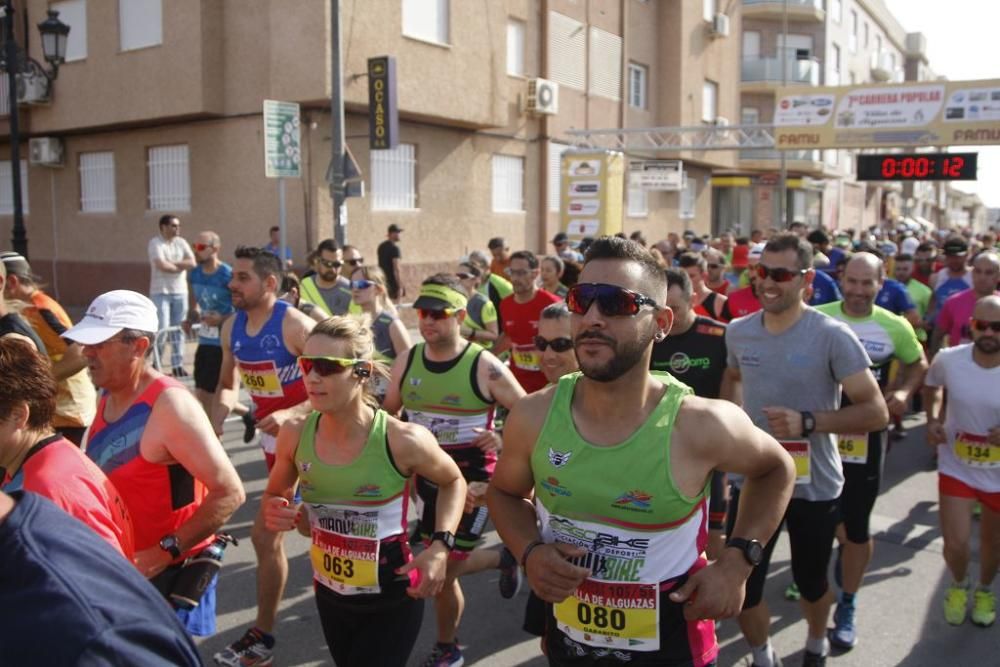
(453, 298)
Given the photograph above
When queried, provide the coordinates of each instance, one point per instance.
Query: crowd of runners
(636, 420)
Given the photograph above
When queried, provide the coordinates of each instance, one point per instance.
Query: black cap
(955, 245)
(394, 228)
(560, 238)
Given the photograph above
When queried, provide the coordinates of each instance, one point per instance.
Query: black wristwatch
(444, 537)
(171, 545)
(808, 423)
(752, 550)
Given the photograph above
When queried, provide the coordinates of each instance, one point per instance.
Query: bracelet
(527, 552)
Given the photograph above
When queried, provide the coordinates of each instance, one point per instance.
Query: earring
(659, 337)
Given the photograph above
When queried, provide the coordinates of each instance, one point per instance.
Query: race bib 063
(347, 565)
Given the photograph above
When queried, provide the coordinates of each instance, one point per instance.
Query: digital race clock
(917, 167)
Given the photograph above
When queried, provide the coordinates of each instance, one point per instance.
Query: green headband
(452, 297)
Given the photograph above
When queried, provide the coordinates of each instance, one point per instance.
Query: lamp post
(19, 67)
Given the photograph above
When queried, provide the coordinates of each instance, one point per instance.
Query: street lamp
(21, 68)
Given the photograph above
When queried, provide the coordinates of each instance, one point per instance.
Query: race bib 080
(611, 614)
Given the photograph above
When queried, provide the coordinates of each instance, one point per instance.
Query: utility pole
(335, 174)
(19, 240)
(783, 178)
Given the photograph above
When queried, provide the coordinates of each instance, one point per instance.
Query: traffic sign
(282, 140)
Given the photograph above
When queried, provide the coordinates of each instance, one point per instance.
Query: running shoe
(844, 635)
(813, 660)
(984, 608)
(179, 372)
(444, 655)
(792, 592)
(775, 660)
(250, 650)
(249, 426)
(956, 601)
(510, 575)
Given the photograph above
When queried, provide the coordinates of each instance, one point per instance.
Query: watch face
(755, 551)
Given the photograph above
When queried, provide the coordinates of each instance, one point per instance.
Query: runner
(953, 278)
(355, 465)
(705, 302)
(39, 460)
(886, 337)
(694, 352)
(968, 446)
(495, 287)
(613, 544)
(919, 292)
(261, 344)
(290, 293)
(556, 343)
(327, 288)
(714, 270)
(369, 291)
(519, 313)
(451, 387)
(75, 398)
(155, 444)
(12, 324)
(480, 324)
(794, 362)
(744, 301)
(552, 268)
(954, 316)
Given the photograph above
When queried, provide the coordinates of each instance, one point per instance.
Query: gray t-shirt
(800, 368)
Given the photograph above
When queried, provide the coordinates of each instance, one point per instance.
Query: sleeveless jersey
(56, 468)
(269, 371)
(159, 497)
(357, 514)
(641, 533)
(383, 340)
(444, 397)
(743, 302)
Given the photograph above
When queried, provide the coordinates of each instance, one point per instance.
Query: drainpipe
(543, 135)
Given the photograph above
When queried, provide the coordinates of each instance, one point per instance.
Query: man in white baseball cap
(156, 445)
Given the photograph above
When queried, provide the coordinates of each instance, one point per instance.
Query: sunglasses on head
(331, 264)
(356, 262)
(983, 325)
(442, 314)
(778, 274)
(202, 246)
(361, 284)
(561, 344)
(326, 366)
(612, 301)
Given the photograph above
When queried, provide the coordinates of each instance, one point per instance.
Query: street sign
(666, 175)
(915, 113)
(282, 140)
(383, 114)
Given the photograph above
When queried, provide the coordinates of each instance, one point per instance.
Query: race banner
(592, 193)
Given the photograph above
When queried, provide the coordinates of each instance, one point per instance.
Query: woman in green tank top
(353, 464)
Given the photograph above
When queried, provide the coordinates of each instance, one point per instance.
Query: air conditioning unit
(543, 97)
(32, 89)
(720, 26)
(721, 121)
(45, 151)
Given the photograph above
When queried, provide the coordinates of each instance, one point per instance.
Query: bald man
(968, 445)
(885, 336)
(953, 319)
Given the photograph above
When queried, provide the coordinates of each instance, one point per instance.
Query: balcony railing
(771, 154)
(792, 4)
(799, 70)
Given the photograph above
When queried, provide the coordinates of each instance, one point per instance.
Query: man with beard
(451, 386)
(261, 344)
(612, 545)
(886, 337)
(968, 444)
(794, 362)
(327, 288)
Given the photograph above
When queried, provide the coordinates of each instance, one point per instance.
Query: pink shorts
(950, 486)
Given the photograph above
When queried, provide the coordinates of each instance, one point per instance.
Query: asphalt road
(899, 607)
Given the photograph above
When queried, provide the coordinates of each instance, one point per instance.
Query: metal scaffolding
(675, 139)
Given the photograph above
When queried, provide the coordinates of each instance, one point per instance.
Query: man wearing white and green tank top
(601, 490)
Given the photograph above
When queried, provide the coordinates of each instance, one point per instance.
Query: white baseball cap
(112, 312)
(910, 245)
(756, 250)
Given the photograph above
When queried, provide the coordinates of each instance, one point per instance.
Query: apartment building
(158, 110)
(828, 43)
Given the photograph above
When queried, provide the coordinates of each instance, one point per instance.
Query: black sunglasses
(778, 274)
(331, 264)
(356, 262)
(612, 301)
(983, 325)
(561, 344)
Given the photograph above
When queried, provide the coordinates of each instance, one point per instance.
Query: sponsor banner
(933, 113)
(592, 193)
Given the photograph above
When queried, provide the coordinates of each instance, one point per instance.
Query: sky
(961, 45)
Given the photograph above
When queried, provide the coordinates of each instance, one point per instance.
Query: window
(7, 192)
(140, 23)
(687, 199)
(169, 178)
(515, 47)
(878, 43)
(866, 35)
(394, 178)
(749, 116)
(555, 174)
(508, 183)
(638, 203)
(751, 44)
(74, 14)
(97, 182)
(852, 39)
(834, 65)
(637, 77)
(836, 9)
(709, 9)
(605, 64)
(709, 101)
(426, 19)
(799, 46)
(567, 51)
